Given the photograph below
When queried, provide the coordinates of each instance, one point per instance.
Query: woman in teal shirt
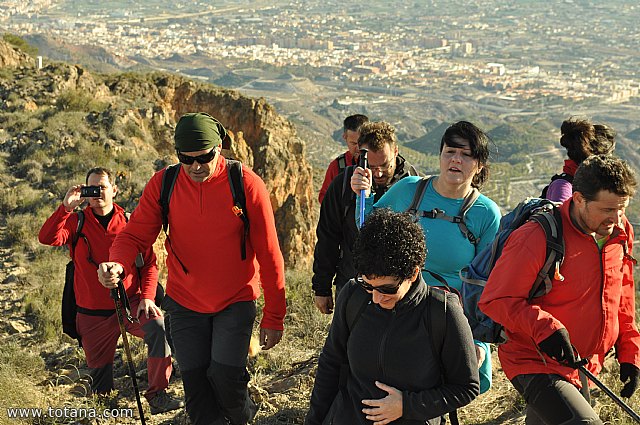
(464, 154)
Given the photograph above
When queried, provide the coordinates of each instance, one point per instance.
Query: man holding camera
(336, 231)
(96, 321)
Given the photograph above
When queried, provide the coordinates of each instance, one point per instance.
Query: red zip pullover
(60, 229)
(595, 302)
(205, 235)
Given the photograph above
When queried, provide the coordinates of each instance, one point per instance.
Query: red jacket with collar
(332, 171)
(205, 235)
(595, 302)
(60, 229)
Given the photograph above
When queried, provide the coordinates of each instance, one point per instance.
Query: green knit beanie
(198, 131)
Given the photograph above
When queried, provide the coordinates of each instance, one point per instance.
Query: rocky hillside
(127, 120)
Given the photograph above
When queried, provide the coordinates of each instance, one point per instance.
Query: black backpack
(236, 183)
(70, 308)
(436, 213)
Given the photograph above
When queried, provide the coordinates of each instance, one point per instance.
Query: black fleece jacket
(337, 231)
(395, 348)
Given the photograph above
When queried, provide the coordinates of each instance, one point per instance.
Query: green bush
(22, 231)
(19, 42)
(79, 100)
(20, 122)
(69, 123)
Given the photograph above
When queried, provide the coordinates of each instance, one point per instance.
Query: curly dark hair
(604, 172)
(377, 134)
(583, 139)
(389, 244)
(478, 143)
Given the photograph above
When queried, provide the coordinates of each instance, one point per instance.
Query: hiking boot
(163, 402)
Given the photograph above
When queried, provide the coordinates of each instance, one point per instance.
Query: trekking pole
(364, 164)
(116, 294)
(610, 393)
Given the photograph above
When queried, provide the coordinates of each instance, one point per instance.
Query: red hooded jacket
(595, 302)
(205, 235)
(60, 229)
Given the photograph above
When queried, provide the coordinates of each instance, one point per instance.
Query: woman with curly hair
(389, 362)
(582, 139)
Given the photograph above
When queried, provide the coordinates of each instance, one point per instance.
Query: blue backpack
(474, 277)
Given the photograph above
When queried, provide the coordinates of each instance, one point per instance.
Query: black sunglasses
(205, 158)
(383, 289)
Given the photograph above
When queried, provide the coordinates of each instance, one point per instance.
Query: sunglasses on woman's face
(383, 289)
(205, 158)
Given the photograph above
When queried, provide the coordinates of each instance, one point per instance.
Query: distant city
(518, 50)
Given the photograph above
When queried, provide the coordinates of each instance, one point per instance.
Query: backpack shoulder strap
(436, 306)
(74, 240)
(357, 301)
(421, 188)
(551, 222)
(347, 193)
(342, 162)
(236, 183)
(169, 178)
(468, 202)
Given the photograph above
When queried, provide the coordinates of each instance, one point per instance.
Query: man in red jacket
(211, 289)
(350, 135)
(590, 308)
(96, 322)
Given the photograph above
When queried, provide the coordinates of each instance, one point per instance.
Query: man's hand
(72, 199)
(109, 274)
(149, 307)
(629, 374)
(384, 410)
(558, 347)
(269, 338)
(324, 304)
(361, 180)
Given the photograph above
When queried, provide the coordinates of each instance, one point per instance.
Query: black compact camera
(90, 192)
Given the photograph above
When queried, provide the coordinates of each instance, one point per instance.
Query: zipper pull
(556, 274)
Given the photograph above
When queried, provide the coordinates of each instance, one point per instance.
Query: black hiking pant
(211, 350)
(551, 400)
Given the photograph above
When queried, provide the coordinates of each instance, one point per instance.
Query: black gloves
(629, 372)
(558, 347)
